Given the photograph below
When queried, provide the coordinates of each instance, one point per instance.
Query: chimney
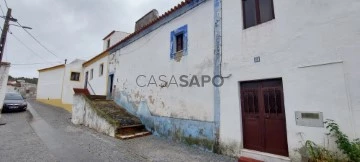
(146, 19)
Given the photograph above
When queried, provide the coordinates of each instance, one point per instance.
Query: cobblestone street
(68, 142)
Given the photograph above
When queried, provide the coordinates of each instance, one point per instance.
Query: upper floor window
(108, 43)
(91, 73)
(257, 11)
(75, 76)
(101, 69)
(178, 43)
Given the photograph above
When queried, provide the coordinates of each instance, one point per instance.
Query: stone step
(132, 131)
(128, 126)
(133, 135)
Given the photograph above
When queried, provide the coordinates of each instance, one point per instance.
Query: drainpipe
(217, 70)
(62, 84)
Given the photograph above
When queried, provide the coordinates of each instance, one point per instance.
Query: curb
(34, 114)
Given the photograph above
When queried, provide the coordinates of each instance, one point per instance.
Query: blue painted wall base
(192, 132)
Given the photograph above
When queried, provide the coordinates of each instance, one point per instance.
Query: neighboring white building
(96, 69)
(96, 74)
(285, 71)
(112, 38)
(50, 83)
(55, 84)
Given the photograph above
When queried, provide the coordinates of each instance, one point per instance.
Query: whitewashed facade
(112, 38)
(310, 46)
(68, 84)
(313, 47)
(96, 82)
(50, 83)
(55, 83)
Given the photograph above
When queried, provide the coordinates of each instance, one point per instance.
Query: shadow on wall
(192, 132)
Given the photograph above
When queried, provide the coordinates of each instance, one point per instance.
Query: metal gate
(263, 116)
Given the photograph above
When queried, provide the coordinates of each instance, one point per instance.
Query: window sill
(258, 25)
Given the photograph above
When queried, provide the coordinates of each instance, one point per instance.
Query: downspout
(217, 70)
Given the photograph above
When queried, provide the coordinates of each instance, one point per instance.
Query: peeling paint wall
(180, 113)
(83, 113)
(313, 46)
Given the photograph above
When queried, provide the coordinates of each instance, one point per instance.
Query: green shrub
(316, 153)
(351, 149)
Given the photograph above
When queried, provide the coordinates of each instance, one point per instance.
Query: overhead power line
(27, 47)
(33, 37)
(6, 4)
(2, 11)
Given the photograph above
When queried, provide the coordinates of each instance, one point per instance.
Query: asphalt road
(47, 134)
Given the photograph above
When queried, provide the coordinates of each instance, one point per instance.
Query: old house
(96, 69)
(286, 66)
(55, 84)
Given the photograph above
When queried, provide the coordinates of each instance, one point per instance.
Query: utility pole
(5, 31)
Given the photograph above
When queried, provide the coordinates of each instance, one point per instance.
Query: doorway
(86, 79)
(263, 116)
(111, 85)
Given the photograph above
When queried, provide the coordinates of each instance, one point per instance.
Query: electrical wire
(33, 37)
(6, 4)
(27, 47)
(2, 11)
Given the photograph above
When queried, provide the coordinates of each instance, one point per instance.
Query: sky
(69, 29)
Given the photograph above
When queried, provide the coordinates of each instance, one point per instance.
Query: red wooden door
(263, 116)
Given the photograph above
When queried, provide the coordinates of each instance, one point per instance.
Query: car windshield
(13, 96)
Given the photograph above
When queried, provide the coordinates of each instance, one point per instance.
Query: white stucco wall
(68, 92)
(304, 32)
(4, 71)
(150, 55)
(99, 82)
(114, 38)
(50, 84)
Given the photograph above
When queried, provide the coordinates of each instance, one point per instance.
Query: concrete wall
(4, 71)
(83, 113)
(99, 82)
(181, 113)
(115, 38)
(68, 92)
(314, 47)
(50, 84)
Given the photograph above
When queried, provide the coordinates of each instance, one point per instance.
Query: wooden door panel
(263, 112)
(251, 118)
(275, 138)
(253, 138)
